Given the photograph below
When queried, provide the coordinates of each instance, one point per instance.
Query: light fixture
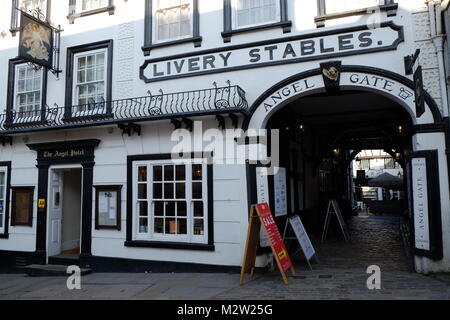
(398, 155)
(400, 129)
(301, 127)
(336, 152)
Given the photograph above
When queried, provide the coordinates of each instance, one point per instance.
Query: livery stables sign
(320, 45)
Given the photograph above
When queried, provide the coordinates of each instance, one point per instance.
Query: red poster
(274, 236)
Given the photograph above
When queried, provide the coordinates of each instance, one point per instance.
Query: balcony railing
(220, 100)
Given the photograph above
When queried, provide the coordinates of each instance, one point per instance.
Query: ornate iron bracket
(234, 120)
(130, 128)
(176, 123)
(6, 139)
(410, 61)
(189, 124)
(38, 15)
(221, 122)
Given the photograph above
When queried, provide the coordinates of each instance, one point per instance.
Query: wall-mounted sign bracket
(6, 139)
(40, 41)
(130, 128)
(410, 61)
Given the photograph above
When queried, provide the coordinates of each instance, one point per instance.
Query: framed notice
(280, 192)
(107, 207)
(262, 191)
(425, 204)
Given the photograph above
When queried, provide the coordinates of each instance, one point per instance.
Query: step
(50, 270)
(65, 260)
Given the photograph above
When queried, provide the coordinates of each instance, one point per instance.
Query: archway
(365, 108)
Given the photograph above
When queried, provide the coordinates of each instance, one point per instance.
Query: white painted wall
(126, 28)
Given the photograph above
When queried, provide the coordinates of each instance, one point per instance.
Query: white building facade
(85, 153)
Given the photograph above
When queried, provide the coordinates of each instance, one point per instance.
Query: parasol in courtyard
(387, 181)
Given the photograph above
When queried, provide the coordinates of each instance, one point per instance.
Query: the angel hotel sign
(312, 46)
(36, 41)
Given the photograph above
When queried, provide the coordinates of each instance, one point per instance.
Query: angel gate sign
(315, 81)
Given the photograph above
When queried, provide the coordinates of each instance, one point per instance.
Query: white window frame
(79, 8)
(43, 8)
(190, 237)
(16, 94)
(346, 9)
(75, 81)
(234, 16)
(3, 196)
(155, 23)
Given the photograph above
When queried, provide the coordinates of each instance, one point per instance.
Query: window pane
(198, 227)
(159, 225)
(181, 209)
(159, 209)
(168, 191)
(143, 225)
(168, 173)
(182, 226)
(198, 209)
(181, 173)
(170, 209)
(142, 191)
(157, 190)
(197, 172)
(171, 226)
(143, 208)
(181, 191)
(197, 190)
(142, 174)
(157, 173)
(334, 6)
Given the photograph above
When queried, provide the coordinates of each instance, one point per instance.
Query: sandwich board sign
(302, 237)
(333, 209)
(260, 215)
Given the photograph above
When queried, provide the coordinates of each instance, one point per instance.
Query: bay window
(169, 203)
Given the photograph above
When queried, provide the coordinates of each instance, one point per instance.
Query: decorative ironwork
(181, 105)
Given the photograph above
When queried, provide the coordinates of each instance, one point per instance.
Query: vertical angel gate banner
(36, 41)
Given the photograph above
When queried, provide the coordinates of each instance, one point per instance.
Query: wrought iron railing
(217, 100)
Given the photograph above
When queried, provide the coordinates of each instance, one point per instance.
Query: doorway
(64, 212)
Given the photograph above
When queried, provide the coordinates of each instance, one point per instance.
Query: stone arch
(360, 78)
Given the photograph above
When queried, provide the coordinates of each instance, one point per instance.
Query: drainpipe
(435, 12)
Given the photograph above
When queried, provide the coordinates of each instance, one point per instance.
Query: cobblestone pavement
(341, 274)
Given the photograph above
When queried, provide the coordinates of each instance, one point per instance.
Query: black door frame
(57, 153)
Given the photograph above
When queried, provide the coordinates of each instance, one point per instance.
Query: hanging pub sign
(419, 92)
(36, 41)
